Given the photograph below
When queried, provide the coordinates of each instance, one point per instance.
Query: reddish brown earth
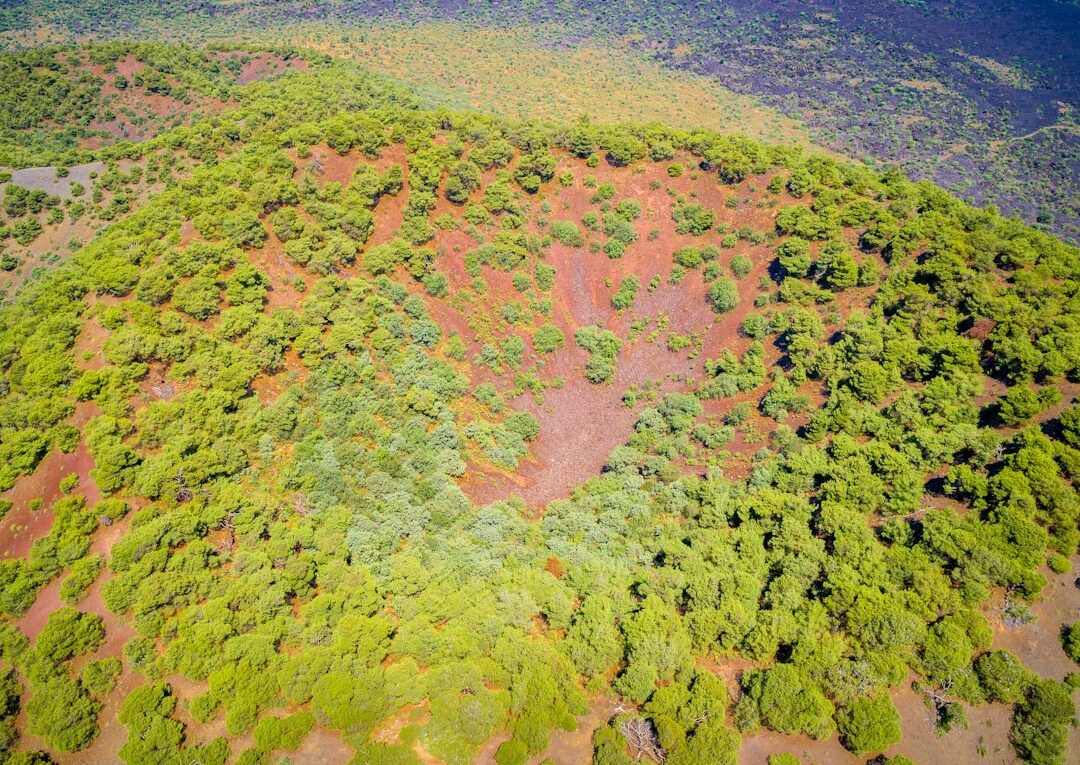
(129, 65)
(574, 443)
(581, 422)
(1038, 643)
(985, 742)
(134, 114)
(576, 747)
(113, 735)
(44, 483)
(265, 65)
(321, 746)
(21, 526)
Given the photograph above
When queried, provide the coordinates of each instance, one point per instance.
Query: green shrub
(69, 633)
(566, 232)
(624, 296)
(1070, 641)
(740, 266)
(723, 295)
(100, 676)
(548, 338)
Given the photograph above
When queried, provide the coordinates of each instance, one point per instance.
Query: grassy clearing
(519, 73)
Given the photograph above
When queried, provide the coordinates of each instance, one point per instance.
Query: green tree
(723, 295)
(548, 338)
(1003, 677)
(868, 724)
(69, 633)
(1070, 641)
(789, 702)
(1040, 728)
(794, 256)
(842, 272)
(62, 713)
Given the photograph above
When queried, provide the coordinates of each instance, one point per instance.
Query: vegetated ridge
(389, 435)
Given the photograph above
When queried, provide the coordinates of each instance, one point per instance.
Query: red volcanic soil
(129, 65)
(1038, 643)
(263, 65)
(581, 422)
(260, 67)
(577, 746)
(104, 750)
(322, 746)
(988, 731)
(21, 526)
(138, 114)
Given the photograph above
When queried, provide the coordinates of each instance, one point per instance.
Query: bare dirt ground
(45, 178)
(1038, 643)
(22, 525)
(582, 422)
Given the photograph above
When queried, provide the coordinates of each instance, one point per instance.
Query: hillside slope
(386, 435)
(980, 97)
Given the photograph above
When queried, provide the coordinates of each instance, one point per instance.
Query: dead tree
(641, 739)
(1016, 614)
(183, 493)
(937, 697)
(229, 525)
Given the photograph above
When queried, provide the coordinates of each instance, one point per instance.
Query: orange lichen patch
(554, 567)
